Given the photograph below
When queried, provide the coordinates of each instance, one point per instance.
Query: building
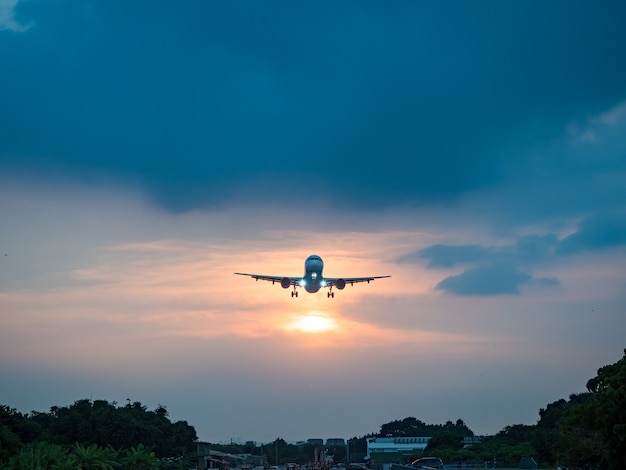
(335, 442)
(470, 440)
(394, 449)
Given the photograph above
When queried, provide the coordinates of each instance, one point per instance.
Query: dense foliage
(409, 427)
(89, 431)
(588, 430)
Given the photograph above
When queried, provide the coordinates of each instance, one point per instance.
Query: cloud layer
(496, 270)
(473, 152)
(8, 21)
(364, 107)
(103, 293)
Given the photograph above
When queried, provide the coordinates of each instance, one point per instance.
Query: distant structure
(393, 449)
(208, 458)
(396, 444)
(336, 441)
(470, 440)
(398, 449)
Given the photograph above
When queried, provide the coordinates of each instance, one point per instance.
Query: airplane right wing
(284, 281)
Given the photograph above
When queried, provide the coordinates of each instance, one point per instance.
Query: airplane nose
(314, 263)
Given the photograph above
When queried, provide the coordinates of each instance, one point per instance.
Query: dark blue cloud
(499, 278)
(495, 271)
(499, 270)
(503, 269)
(360, 104)
(597, 232)
(489, 280)
(451, 255)
(528, 249)
(536, 248)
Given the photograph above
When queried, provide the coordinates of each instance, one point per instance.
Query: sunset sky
(473, 150)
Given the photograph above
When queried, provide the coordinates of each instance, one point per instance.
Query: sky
(474, 151)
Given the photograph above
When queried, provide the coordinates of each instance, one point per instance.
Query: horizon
(238, 440)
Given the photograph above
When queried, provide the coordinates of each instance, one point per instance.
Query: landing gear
(294, 293)
(330, 294)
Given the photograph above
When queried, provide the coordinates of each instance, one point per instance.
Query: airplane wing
(293, 281)
(343, 281)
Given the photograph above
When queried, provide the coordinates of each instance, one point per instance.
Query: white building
(397, 445)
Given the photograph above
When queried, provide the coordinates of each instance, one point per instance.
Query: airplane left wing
(341, 282)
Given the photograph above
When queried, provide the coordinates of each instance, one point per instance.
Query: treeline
(587, 431)
(412, 427)
(280, 451)
(93, 434)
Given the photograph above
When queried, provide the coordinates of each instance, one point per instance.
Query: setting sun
(312, 322)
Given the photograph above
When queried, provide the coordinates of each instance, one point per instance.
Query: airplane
(313, 280)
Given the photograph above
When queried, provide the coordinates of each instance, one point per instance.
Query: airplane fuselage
(313, 279)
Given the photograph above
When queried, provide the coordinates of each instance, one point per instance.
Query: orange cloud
(179, 288)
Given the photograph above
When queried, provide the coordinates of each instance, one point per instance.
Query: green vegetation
(93, 435)
(588, 430)
(412, 427)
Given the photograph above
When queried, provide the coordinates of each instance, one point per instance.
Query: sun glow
(313, 322)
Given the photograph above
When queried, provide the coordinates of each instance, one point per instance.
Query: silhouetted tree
(449, 440)
(139, 458)
(93, 458)
(598, 421)
(41, 456)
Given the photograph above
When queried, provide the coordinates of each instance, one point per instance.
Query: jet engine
(340, 284)
(285, 283)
